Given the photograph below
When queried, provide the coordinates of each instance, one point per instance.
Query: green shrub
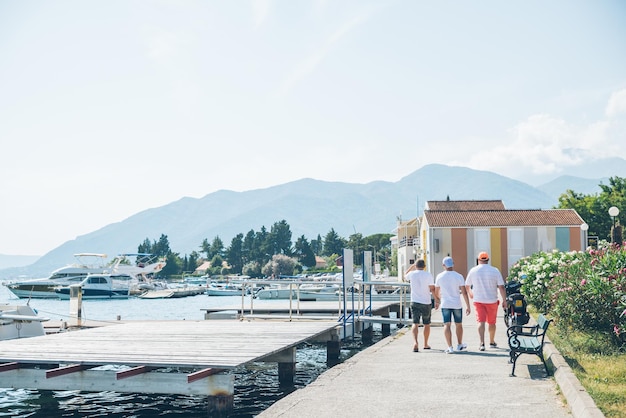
(584, 291)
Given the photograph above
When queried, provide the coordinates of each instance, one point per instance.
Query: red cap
(483, 256)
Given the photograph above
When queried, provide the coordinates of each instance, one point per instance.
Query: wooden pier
(188, 357)
(181, 357)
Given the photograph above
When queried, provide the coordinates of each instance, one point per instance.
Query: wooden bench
(528, 340)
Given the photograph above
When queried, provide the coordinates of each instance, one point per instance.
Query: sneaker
(482, 347)
(449, 350)
(493, 345)
(461, 347)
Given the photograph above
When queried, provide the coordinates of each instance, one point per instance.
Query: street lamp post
(613, 212)
(584, 228)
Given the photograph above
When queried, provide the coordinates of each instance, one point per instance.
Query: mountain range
(310, 207)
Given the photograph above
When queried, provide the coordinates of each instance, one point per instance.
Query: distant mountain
(17, 260)
(580, 185)
(591, 169)
(310, 207)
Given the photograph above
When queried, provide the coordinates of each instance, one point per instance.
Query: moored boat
(20, 321)
(276, 291)
(85, 264)
(224, 289)
(142, 267)
(100, 286)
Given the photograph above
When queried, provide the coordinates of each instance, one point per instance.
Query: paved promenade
(389, 379)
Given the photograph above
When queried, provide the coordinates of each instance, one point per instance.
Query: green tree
(216, 264)
(162, 247)
(192, 262)
(234, 254)
(216, 248)
(262, 246)
(279, 265)
(159, 249)
(380, 244)
(355, 242)
(280, 238)
(145, 247)
(205, 247)
(249, 250)
(317, 245)
(333, 243)
(594, 208)
(173, 265)
(252, 269)
(304, 252)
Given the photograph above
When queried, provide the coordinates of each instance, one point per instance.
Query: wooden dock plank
(221, 344)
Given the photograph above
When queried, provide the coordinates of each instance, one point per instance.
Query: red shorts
(486, 312)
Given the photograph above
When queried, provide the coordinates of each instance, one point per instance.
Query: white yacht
(100, 286)
(140, 266)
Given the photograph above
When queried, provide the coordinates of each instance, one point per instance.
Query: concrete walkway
(389, 379)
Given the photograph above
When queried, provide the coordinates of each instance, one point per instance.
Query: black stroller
(516, 312)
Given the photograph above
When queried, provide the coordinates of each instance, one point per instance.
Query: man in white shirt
(449, 286)
(422, 287)
(483, 283)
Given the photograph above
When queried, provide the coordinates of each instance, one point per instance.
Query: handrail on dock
(363, 292)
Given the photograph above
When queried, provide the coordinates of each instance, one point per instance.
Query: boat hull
(20, 321)
(64, 294)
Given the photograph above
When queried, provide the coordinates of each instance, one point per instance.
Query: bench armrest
(522, 330)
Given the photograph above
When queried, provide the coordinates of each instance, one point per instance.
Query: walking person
(449, 286)
(482, 284)
(422, 287)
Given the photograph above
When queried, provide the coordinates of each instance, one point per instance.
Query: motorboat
(303, 291)
(85, 264)
(319, 292)
(224, 289)
(100, 286)
(276, 291)
(142, 269)
(196, 281)
(20, 321)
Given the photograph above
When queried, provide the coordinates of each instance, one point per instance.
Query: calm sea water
(256, 385)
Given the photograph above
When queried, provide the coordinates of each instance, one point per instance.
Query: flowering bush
(582, 290)
(537, 271)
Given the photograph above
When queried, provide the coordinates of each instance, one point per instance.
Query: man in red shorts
(482, 284)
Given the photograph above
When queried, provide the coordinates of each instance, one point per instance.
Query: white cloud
(617, 104)
(547, 145)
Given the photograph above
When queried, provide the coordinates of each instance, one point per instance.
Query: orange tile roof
(465, 205)
(502, 218)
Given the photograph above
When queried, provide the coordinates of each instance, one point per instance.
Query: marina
(176, 354)
(192, 353)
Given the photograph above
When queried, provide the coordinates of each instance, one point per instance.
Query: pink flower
(583, 282)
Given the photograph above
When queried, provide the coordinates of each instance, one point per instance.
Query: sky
(109, 108)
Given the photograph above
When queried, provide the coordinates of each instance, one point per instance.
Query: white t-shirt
(485, 280)
(420, 280)
(449, 283)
